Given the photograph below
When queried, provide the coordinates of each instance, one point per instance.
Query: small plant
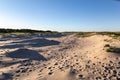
(113, 49)
(107, 45)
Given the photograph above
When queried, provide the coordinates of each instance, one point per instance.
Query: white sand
(61, 58)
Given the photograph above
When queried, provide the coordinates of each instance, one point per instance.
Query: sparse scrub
(115, 35)
(85, 34)
(113, 49)
(25, 31)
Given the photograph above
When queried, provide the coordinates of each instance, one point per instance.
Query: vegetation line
(25, 31)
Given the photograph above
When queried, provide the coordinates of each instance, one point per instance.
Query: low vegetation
(85, 34)
(112, 49)
(78, 34)
(25, 31)
(115, 35)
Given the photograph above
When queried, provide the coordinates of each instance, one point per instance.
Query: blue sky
(61, 15)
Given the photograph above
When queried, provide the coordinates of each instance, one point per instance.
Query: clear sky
(61, 15)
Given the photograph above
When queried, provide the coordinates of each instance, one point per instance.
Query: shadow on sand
(6, 76)
(26, 54)
(40, 42)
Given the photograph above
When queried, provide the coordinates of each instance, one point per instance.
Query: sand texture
(58, 58)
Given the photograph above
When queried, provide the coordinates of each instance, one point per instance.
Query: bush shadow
(6, 76)
(26, 54)
(39, 42)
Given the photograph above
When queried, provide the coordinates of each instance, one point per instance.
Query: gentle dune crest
(59, 58)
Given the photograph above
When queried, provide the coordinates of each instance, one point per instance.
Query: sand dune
(59, 58)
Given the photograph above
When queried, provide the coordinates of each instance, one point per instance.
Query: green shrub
(113, 49)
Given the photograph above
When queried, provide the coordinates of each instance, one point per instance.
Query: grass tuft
(113, 49)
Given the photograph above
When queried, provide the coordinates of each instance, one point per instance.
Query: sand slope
(59, 58)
